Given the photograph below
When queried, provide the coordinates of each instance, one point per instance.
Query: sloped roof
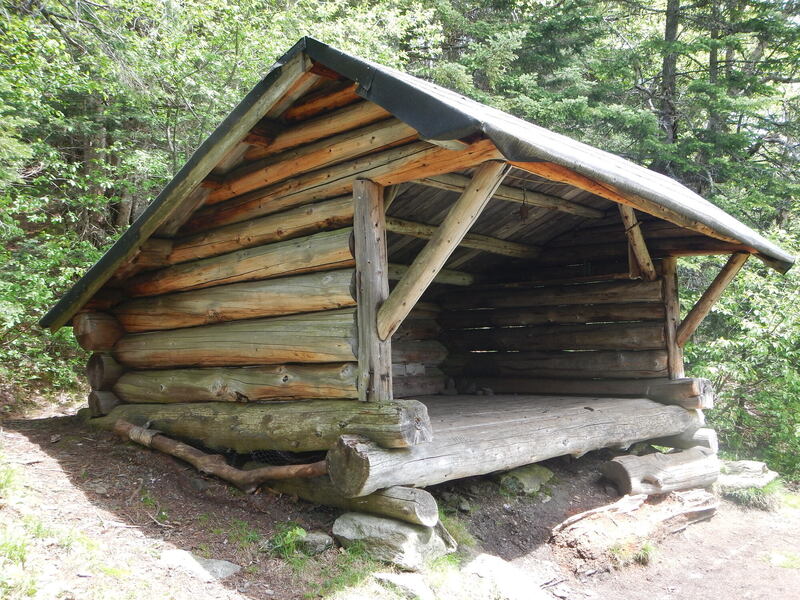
(437, 114)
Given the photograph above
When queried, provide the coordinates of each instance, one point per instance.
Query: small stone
(207, 569)
(405, 545)
(315, 542)
(525, 480)
(410, 585)
(464, 506)
(199, 484)
(100, 490)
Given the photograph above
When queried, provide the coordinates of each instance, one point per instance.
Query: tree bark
(658, 473)
(300, 426)
(238, 384)
(474, 435)
(407, 504)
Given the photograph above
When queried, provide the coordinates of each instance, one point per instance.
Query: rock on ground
(315, 542)
(405, 545)
(410, 585)
(525, 480)
(507, 581)
(742, 474)
(207, 569)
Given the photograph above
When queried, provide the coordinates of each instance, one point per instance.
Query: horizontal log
(386, 167)
(300, 426)
(680, 246)
(689, 392)
(319, 252)
(612, 292)
(96, 331)
(658, 473)
(316, 155)
(471, 437)
(214, 464)
(323, 101)
(293, 223)
(403, 503)
(238, 384)
(642, 388)
(443, 276)
(104, 299)
(325, 126)
(152, 254)
(310, 292)
(652, 229)
(475, 241)
(457, 183)
(566, 365)
(102, 402)
(103, 371)
(429, 352)
(598, 336)
(538, 315)
(703, 437)
(328, 336)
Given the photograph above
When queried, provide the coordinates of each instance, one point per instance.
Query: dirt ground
(83, 515)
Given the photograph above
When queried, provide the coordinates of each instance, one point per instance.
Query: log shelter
(365, 265)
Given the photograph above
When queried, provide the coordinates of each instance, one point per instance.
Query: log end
(349, 465)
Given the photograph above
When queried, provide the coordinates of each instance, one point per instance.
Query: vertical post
(669, 271)
(372, 289)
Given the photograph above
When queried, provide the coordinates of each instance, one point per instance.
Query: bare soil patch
(98, 513)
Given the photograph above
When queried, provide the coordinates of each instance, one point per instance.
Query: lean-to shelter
(364, 264)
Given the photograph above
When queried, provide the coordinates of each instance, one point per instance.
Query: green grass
(768, 498)
(791, 500)
(147, 499)
(243, 534)
(351, 568)
(457, 528)
(37, 528)
(8, 481)
(632, 552)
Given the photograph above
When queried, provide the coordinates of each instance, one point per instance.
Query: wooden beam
(555, 172)
(636, 242)
(456, 183)
(316, 155)
(709, 297)
(669, 270)
(386, 167)
(432, 258)
(444, 276)
(484, 243)
(372, 289)
(322, 127)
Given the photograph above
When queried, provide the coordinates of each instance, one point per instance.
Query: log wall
(611, 330)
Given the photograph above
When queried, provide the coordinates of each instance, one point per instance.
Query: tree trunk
(475, 435)
(663, 473)
(404, 503)
(242, 384)
(300, 426)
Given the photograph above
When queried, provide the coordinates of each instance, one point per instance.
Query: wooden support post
(669, 270)
(432, 258)
(636, 242)
(709, 297)
(372, 289)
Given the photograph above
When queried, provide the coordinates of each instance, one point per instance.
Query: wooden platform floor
(475, 435)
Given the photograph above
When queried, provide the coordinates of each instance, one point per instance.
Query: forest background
(102, 101)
